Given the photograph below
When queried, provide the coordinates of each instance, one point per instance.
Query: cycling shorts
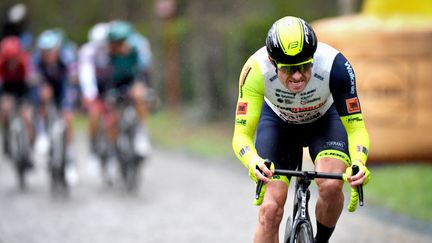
(283, 143)
(18, 89)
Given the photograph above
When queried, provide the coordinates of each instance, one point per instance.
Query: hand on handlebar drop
(259, 171)
(361, 178)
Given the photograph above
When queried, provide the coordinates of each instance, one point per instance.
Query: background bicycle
(18, 141)
(121, 154)
(50, 147)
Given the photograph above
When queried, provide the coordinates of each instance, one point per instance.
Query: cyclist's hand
(361, 178)
(259, 171)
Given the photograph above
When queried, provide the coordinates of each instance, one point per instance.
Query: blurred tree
(214, 38)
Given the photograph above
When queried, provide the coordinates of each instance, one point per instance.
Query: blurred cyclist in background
(55, 75)
(14, 72)
(116, 59)
(16, 23)
(93, 69)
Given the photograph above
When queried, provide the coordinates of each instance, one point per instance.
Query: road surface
(183, 199)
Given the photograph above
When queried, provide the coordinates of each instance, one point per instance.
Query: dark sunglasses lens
(292, 69)
(301, 68)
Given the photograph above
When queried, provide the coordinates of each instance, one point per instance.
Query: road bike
(123, 150)
(130, 160)
(19, 145)
(52, 127)
(299, 230)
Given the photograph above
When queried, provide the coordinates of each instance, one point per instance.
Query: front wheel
(304, 234)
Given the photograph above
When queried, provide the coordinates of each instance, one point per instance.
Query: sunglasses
(291, 69)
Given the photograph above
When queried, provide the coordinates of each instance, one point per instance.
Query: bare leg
(329, 205)
(271, 212)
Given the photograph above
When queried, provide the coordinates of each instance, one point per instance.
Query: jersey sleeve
(248, 111)
(344, 91)
(86, 72)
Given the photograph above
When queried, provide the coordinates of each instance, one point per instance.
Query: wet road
(183, 199)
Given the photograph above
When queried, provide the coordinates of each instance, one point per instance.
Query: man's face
(50, 56)
(118, 47)
(295, 77)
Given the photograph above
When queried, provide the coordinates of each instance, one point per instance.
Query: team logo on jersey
(362, 149)
(351, 75)
(241, 122)
(305, 109)
(244, 150)
(242, 108)
(353, 105)
(316, 75)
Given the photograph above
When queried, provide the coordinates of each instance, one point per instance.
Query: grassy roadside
(170, 130)
(403, 189)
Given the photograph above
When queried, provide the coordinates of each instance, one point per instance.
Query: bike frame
(300, 207)
(128, 162)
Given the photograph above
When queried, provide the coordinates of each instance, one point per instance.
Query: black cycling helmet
(291, 40)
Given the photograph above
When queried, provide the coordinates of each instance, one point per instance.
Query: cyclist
(16, 23)
(297, 92)
(93, 71)
(117, 58)
(14, 72)
(54, 71)
(130, 58)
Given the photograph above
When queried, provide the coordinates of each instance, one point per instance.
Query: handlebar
(311, 175)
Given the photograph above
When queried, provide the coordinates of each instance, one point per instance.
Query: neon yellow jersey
(332, 82)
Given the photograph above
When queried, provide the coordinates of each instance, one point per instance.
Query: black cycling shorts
(283, 143)
(17, 89)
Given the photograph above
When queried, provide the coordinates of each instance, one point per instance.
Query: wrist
(358, 162)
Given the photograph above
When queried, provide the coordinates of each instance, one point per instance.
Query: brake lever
(260, 183)
(355, 170)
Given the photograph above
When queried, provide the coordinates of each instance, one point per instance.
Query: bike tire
(21, 174)
(304, 233)
(287, 233)
(20, 150)
(59, 184)
(134, 175)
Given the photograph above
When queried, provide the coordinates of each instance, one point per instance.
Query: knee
(270, 215)
(330, 189)
(137, 92)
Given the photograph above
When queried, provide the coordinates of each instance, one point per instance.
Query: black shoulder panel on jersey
(343, 86)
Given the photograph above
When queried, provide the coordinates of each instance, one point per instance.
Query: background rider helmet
(291, 41)
(17, 13)
(48, 40)
(119, 31)
(49, 43)
(10, 48)
(98, 33)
